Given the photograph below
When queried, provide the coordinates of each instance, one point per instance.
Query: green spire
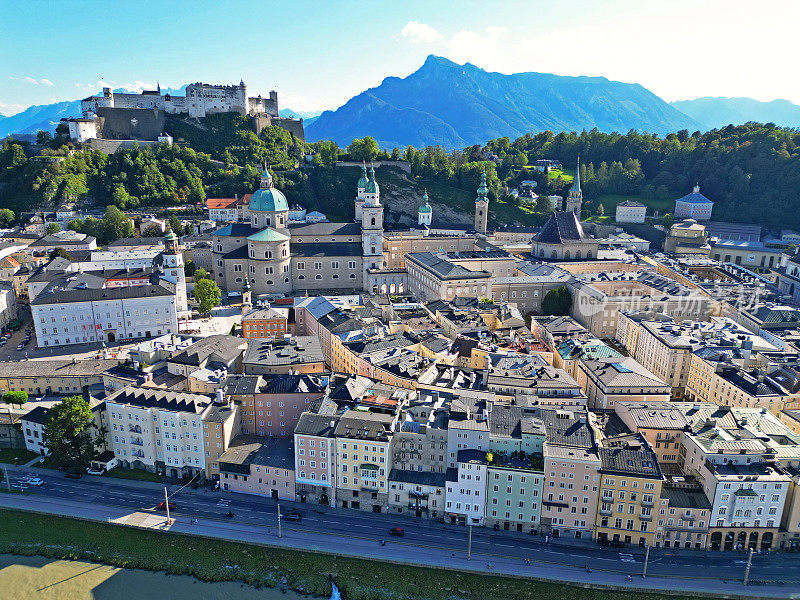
(482, 189)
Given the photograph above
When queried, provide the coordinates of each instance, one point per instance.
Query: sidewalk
(394, 551)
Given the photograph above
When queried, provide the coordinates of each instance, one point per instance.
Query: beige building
(260, 466)
(661, 424)
(687, 237)
(607, 380)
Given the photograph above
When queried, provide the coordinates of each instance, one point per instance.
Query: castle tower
(575, 196)
(482, 206)
(425, 212)
(372, 227)
(247, 297)
(361, 189)
(173, 270)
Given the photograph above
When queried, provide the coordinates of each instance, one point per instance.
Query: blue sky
(319, 54)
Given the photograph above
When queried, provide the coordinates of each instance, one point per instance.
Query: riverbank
(39, 578)
(213, 560)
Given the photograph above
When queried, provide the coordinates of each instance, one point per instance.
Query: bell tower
(372, 227)
(173, 270)
(482, 206)
(575, 196)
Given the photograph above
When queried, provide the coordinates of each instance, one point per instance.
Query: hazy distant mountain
(719, 112)
(459, 105)
(34, 118)
(308, 116)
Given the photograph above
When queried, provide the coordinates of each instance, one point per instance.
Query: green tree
(190, 268)
(200, 273)
(6, 217)
(152, 230)
(557, 301)
(52, 228)
(115, 225)
(363, 150)
(68, 433)
(18, 398)
(43, 138)
(59, 253)
(75, 225)
(667, 220)
(207, 294)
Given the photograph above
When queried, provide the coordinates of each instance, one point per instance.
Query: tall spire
(576, 184)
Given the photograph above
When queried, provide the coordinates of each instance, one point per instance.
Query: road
(345, 529)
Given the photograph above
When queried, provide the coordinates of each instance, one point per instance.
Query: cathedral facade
(276, 257)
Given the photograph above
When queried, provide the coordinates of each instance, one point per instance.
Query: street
(347, 530)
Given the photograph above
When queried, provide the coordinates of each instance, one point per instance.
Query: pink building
(261, 466)
(280, 401)
(315, 458)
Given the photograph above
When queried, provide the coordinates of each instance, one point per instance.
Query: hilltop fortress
(201, 99)
(113, 120)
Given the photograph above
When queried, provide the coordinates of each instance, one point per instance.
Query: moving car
(34, 481)
(163, 506)
(398, 531)
(293, 516)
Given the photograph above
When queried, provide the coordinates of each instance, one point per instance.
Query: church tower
(173, 270)
(247, 297)
(482, 206)
(425, 212)
(361, 190)
(575, 196)
(372, 227)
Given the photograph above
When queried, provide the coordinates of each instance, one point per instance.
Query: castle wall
(129, 123)
(293, 126)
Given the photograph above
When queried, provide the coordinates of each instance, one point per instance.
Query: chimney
(220, 396)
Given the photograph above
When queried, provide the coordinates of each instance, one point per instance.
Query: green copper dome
(363, 180)
(372, 185)
(482, 189)
(426, 207)
(268, 200)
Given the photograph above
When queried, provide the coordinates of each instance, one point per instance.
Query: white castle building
(201, 99)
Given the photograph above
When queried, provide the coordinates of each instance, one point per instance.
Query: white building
(465, 496)
(32, 424)
(631, 212)
(467, 434)
(77, 315)
(157, 430)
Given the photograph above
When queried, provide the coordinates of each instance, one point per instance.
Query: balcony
(134, 429)
(606, 511)
(137, 442)
(647, 502)
(688, 518)
(645, 517)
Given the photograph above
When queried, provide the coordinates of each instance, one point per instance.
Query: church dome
(372, 184)
(363, 180)
(426, 207)
(268, 200)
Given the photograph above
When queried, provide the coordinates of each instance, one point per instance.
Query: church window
(318, 277)
(335, 276)
(269, 281)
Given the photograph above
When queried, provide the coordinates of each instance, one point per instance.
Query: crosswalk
(628, 558)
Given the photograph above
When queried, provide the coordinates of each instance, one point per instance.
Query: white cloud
(136, 87)
(46, 82)
(301, 103)
(31, 80)
(9, 109)
(420, 33)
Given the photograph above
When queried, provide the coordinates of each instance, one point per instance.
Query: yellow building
(630, 491)
(362, 460)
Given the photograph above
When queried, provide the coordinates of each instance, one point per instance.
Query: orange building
(266, 323)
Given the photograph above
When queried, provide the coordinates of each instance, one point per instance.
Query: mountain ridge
(718, 111)
(458, 105)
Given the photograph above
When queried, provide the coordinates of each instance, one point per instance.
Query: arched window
(335, 276)
(285, 280)
(301, 276)
(352, 275)
(269, 222)
(318, 277)
(269, 281)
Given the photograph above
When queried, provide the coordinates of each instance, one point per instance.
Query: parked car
(34, 481)
(163, 506)
(398, 531)
(20, 347)
(295, 517)
(92, 471)
(73, 475)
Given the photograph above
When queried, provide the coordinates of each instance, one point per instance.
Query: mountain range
(456, 106)
(719, 112)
